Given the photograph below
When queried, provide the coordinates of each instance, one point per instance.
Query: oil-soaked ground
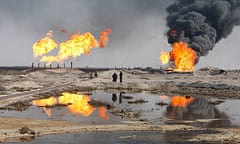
(111, 108)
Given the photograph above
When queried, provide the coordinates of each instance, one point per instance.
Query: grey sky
(137, 37)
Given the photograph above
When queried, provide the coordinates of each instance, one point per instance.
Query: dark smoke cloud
(204, 22)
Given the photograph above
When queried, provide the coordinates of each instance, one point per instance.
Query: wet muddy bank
(10, 128)
(10, 131)
(211, 82)
(18, 89)
(221, 90)
(187, 119)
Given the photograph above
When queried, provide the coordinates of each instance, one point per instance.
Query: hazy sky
(137, 38)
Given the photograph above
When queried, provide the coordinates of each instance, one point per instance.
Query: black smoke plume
(202, 23)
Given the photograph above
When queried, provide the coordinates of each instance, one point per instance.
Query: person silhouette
(114, 97)
(120, 76)
(114, 77)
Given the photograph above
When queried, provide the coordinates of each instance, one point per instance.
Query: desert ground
(21, 85)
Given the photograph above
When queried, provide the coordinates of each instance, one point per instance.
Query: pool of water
(113, 138)
(110, 108)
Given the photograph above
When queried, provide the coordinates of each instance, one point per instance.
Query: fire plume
(79, 103)
(104, 37)
(184, 58)
(164, 57)
(44, 45)
(76, 45)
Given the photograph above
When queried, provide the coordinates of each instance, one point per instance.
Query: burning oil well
(194, 28)
(76, 45)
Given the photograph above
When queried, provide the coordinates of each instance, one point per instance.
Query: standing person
(120, 76)
(95, 74)
(114, 77)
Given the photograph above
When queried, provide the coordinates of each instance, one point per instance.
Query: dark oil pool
(110, 108)
(113, 138)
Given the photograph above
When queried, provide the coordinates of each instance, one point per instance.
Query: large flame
(181, 101)
(183, 57)
(76, 45)
(79, 103)
(103, 40)
(44, 45)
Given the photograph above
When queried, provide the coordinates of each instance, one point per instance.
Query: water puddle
(111, 108)
(114, 138)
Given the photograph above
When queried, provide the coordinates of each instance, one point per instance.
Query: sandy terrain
(25, 85)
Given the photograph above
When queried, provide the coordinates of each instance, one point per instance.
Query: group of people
(115, 77)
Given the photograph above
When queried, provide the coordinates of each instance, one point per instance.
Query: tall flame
(44, 45)
(76, 45)
(183, 57)
(104, 37)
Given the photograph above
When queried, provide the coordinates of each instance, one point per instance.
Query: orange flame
(181, 101)
(102, 111)
(45, 102)
(44, 45)
(76, 45)
(183, 57)
(50, 59)
(104, 37)
(79, 103)
(164, 57)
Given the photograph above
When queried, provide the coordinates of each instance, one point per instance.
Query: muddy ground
(23, 85)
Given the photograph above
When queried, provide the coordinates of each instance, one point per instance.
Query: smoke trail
(203, 22)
